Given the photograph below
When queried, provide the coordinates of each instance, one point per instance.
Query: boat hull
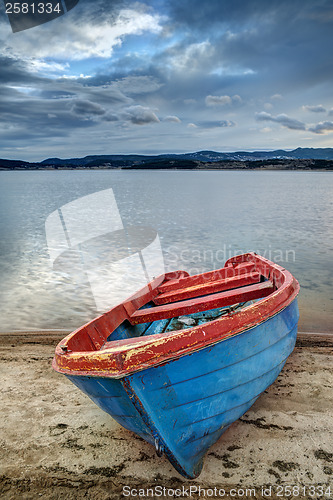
(185, 404)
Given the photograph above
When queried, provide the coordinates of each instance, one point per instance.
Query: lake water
(202, 218)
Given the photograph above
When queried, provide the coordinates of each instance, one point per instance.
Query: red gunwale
(79, 353)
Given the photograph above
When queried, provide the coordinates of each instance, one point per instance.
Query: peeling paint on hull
(180, 390)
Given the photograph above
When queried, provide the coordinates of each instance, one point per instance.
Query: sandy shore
(56, 444)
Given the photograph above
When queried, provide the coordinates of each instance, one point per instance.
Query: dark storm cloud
(14, 70)
(27, 117)
(33, 108)
(106, 9)
(39, 115)
(205, 15)
(229, 46)
(284, 40)
(215, 64)
(20, 128)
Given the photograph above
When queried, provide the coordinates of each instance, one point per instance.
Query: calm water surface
(202, 219)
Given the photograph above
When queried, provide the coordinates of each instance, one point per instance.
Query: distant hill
(299, 153)
(4, 164)
(199, 159)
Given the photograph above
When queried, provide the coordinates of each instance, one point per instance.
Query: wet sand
(56, 444)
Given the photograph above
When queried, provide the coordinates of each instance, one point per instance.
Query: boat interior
(177, 302)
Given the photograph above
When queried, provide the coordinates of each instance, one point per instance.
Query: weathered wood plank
(221, 299)
(198, 279)
(207, 288)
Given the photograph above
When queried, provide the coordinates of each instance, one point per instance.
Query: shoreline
(55, 334)
(57, 444)
(318, 159)
(235, 169)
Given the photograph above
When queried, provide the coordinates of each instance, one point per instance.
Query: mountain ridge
(184, 160)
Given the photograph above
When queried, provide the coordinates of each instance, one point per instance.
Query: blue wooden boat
(186, 356)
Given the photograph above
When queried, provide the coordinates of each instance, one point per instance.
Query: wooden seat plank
(199, 304)
(216, 275)
(207, 288)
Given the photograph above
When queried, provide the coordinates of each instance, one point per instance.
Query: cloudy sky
(159, 76)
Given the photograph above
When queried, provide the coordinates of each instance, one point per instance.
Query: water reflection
(197, 215)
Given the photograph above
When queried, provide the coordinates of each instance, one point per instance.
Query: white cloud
(227, 123)
(315, 109)
(172, 119)
(138, 85)
(24, 90)
(236, 99)
(322, 127)
(223, 100)
(191, 58)
(218, 100)
(39, 67)
(140, 115)
(75, 77)
(283, 119)
(231, 71)
(82, 39)
(43, 67)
